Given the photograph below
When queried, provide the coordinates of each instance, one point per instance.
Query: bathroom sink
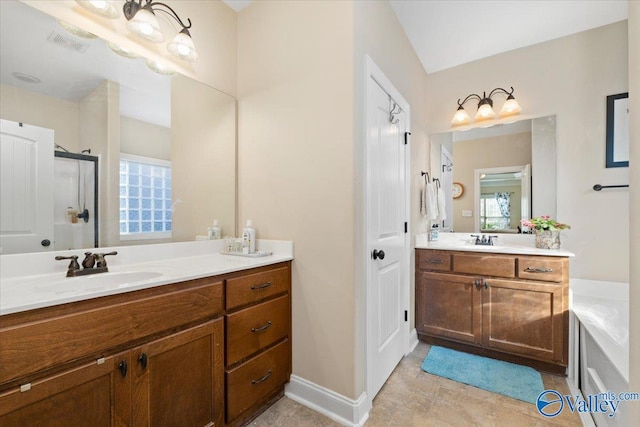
(96, 283)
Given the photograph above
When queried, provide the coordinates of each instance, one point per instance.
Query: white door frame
(373, 71)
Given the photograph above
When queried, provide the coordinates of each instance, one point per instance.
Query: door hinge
(406, 137)
(406, 316)
(406, 227)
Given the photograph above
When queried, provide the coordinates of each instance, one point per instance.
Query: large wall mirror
(164, 145)
(507, 171)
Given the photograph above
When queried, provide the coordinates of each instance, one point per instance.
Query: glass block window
(145, 198)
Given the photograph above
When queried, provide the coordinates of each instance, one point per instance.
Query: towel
(429, 201)
(442, 208)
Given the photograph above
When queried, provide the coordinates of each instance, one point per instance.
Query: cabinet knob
(123, 368)
(143, 360)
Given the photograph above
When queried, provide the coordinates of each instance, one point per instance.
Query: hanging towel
(430, 201)
(423, 199)
(442, 208)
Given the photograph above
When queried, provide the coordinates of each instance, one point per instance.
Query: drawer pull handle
(538, 270)
(262, 328)
(435, 261)
(263, 286)
(264, 378)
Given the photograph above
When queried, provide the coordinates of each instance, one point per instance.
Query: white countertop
(603, 308)
(517, 244)
(134, 268)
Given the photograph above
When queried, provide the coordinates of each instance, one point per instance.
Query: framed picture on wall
(618, 130)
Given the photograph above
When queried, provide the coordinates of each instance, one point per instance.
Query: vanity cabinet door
(178, 380)
(449, 306)
(524, 318)
(94, 394)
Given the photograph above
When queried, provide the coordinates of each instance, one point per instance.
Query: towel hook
(426, 177)
(437, 181)
(392, 111)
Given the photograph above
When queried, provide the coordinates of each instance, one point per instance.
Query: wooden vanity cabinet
(258, 341)
(505, 306)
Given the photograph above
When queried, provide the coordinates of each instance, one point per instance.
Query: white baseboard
(585, 417)
(413, 341)
(341, 409)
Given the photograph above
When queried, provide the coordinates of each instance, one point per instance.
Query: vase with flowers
(547, 231)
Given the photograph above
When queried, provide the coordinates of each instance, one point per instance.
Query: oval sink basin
(97, 282)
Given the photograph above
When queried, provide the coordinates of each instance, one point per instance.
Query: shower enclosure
(75, 201)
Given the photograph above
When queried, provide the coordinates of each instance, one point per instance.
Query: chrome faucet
(90, 259)
(484, 240)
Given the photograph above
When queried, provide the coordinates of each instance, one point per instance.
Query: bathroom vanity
(509, 301)
(214, 349)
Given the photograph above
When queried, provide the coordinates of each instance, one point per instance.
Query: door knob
(45, 242)
(377, 254)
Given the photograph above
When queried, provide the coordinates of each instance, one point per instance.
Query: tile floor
(412, 397)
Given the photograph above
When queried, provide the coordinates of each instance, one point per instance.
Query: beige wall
(100, 131)
(203, 159)
(634, 194)
(514, 150)
(569, 77)
(32, 108)
(144, 139)
(296, 171)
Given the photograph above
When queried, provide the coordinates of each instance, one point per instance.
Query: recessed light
(28, 78)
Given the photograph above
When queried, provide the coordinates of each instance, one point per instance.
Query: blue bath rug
(516, 381)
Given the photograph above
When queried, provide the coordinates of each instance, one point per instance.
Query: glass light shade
(461, 117)
(159, 68)
(122, 51)
(145, 24)
(485, 112)
(182, 46)
(510, 107)
(105, 8)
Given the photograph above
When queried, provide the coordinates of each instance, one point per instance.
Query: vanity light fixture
(142, 21)
(485, 107)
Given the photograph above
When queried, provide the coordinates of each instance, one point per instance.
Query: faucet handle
(100, 261)
(73, 265)
(89, 260)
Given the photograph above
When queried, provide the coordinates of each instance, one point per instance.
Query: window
(490, 215)
(145, 198)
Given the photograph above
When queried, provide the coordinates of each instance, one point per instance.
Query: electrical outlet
(467, 213)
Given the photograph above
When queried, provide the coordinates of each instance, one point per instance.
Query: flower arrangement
(543, 222)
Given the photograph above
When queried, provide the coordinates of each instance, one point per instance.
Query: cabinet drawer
(88, 328)
(485, 265)
(539, 268)
(430, 260)
(256, 379)
(256, 287)
(256, 327)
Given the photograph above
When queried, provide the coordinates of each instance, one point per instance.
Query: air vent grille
(67, 42)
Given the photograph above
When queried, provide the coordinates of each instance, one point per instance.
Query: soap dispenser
(249, 238)
(216, 232)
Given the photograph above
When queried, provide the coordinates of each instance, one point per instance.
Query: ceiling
(445, 34)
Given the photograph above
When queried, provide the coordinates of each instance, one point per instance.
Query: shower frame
(94, 159)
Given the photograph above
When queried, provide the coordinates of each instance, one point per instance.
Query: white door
(387, 287)
(26, 188)
(446, 181)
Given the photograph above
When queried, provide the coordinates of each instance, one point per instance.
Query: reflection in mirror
(502, 148)
(165, 144)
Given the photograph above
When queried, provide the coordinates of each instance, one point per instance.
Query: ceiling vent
(67, 42)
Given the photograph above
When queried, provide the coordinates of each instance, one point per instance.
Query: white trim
(145, 160)
(374, 72)
(585, 417)
(339, 408)
(413, 342)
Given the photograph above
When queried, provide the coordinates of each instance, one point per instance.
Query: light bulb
(510, 107)
(460, 117)
(182, 46)
(485, 112)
